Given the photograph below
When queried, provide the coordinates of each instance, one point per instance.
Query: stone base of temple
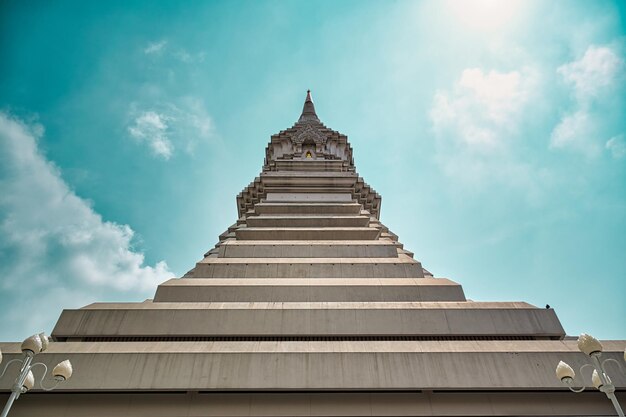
(418, 403)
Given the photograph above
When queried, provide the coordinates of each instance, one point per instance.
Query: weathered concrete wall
(308, 290)
(393, 365)
(206, 404)
(186, 319)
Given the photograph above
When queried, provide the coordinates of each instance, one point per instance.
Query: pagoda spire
(308, 111)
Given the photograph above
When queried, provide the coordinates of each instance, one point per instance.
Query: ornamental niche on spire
(308, 139)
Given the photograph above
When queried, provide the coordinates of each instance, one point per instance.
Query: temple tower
(309, 305)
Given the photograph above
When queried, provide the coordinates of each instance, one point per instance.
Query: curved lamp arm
(619, 365)
(571, 380)
(43, 386)
(7, 366)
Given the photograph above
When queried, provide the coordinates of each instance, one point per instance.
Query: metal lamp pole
(590, 346)
(26, 379)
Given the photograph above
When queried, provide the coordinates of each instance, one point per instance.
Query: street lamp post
(590, 346)
(26, 379)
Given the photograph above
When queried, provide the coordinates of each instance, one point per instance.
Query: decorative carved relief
(310, 136)
(308, 133)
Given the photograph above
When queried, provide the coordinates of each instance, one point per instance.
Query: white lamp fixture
(592, 347)
(32, 344)
(564, 371)
(45, 341)
(63, 370)
(595, 379)
(29, 381)
(589, 344)
(25, 381)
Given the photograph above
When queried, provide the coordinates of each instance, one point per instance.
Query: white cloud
(477, 122)
(195, 117)
(187, 57)
(576, 131)
(596, 70)
(155, 48)
(593, 79)
(482, 108)
(151, 127)
(617, 146)
(52, 241)
(163, 48)
(500, 94)
(166, 126)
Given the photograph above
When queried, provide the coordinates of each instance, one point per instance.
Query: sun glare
(484, 15)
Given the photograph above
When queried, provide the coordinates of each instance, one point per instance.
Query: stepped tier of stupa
(308, 305)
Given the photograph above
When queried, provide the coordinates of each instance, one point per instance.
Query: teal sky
(495, 132)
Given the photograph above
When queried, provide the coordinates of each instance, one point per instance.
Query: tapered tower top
(308, 111)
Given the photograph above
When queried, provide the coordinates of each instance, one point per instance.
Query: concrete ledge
(310, 165)
(308, 249)
(308, 179)
(307, 233)
(308, 208)
(305, 282)
(306, 268)
(323, 305)
(315, 293)
(209, 404)
(305, 289)
(306, 196)
(311, 189)
(611, 347)
(307, 221)
(307, 319)
(400, 259)
(171, 366)
(309, 174)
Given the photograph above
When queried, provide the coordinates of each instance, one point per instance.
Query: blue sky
(495, 132)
